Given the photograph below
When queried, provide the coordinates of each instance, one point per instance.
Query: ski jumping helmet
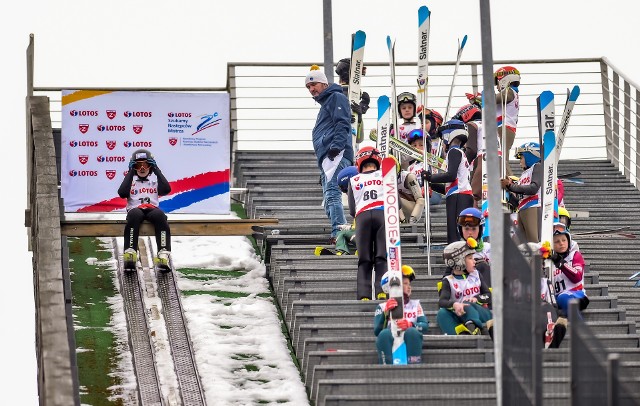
(368, 154)
(343, 69)
(432, 117)
(565, 232)
(406, 97)
(470, 216)
(407, 272)
(344, 176)
(455, 253)
(141, 155)
(453, 129)
(531, 153)
(506, 76)
(415, 135)
(467, 113)
(563, 212)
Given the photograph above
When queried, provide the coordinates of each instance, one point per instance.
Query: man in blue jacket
(332, 142)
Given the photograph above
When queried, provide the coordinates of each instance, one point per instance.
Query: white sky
(173, 44)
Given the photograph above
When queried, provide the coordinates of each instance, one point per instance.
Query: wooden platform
(114, 228)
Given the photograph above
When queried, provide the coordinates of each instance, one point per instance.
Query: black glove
(152, 163)
(333, 152)
(356, 108)
(556, 259)
(426, 175)
(365, 100)
(132, 163)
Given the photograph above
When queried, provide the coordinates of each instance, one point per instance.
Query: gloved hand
(152, 163)
(504, 183)
(390, 305)
(556, 258)
(333, 152)
(404, 324)
(132, 163)
(365, 100)
(426, 175)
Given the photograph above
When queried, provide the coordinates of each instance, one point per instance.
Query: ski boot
(129, 259)
(162, 260)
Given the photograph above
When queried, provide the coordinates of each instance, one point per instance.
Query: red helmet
(467, 113)
(505, 76)
(368, 154)
(432, 116)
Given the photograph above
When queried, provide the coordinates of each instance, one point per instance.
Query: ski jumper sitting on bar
(507, 80)
(529, 186)
(456, 180)
(366, 205)
(142, 186)
(414, 323)
(464, 293)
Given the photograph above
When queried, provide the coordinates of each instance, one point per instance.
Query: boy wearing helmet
(414, 324)
(529, 187)
(366, 205)
(420, 142)
(471, 225)
(568, 275)
(507, 80)
(463, 293)
(142, 186)
(471, 115)
(455, 182)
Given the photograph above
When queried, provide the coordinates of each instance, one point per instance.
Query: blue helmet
(471, 216)
(531, 153)
(344, 176)
(453, 129)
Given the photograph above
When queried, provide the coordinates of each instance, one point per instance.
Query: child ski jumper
(471, 225)
(142, 186)
(410, 186)
(507, 80)
(463, 293)
(568, 275)
(366, 205)
(420, 142)
(529, 186)
(457, 186)
(414, 323)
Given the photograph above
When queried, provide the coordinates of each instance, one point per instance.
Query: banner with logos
(187, 133)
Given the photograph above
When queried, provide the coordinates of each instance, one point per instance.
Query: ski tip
(575, 92)
(359, 40)
(423, 14)
(464, 41)
(389, 42)
(383, 106)
(545, 98)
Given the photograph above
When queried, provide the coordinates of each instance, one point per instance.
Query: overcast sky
(174, 44)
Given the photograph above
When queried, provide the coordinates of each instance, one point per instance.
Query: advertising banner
(187, 133)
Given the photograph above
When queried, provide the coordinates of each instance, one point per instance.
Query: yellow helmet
(562, 212)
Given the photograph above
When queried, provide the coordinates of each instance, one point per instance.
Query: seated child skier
(568, 275)
(464, 293)
(529, 184)
(455, 182)
(366, 205)
(142, 186)
(471, 225)
(414, 323)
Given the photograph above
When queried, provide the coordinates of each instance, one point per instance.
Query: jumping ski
(355, 77)
(130, 260)
(398, 146)
(382, 142)
(394, 258)
(391, 46)
(566, 115)
(455, 74)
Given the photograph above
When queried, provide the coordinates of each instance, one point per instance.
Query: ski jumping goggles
(142, 165)
(405, 97)
(469, 221)
(522, 150)
(559, 227)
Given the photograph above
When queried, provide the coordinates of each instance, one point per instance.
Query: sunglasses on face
(141, 165)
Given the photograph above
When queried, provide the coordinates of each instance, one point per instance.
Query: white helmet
(455, 253)
(407, 272)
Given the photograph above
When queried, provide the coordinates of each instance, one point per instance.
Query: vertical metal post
(327, 19)
(536, 332)
(496, 220)
(474, 78)
(613, 365)
(606, 107)
(627, 130)
(29, 136)
(233, 112)
(574, 320)
(637, 166)
(615, 119)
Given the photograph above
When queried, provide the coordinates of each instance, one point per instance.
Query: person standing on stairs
(332, 142)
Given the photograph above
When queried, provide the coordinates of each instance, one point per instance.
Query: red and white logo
(83, 128)
(83, 159)
(110, 174)
(111, 144)
(137, 129)
(173, 141)
(111, 114)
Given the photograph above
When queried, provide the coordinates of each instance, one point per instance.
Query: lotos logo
(137, 129)
(133, 192)
(111, 144)
(111, 158)
(173, 141)
(74, 173)
(472, 291)
(83, 159)
(84, 113)
(84, 143)
(110, 174)
(179, 114)
(83, 128)
(111, 114)
(102, 127)
(137, 144)
(130, 114)
(370, 182)
(148, 190)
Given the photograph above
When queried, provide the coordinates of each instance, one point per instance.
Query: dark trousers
(155, 216)
(455, 204)
(372, 251)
